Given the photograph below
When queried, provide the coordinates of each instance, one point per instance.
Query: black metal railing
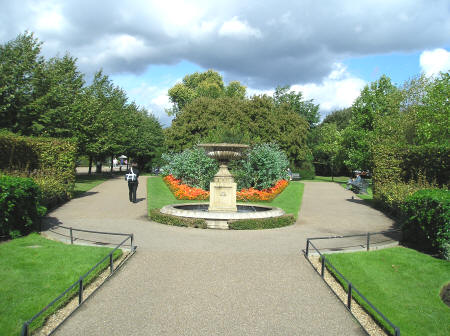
(350, 287)
(81, 281)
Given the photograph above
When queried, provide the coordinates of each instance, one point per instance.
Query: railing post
(307, 247)
(132, 238)
(397, 331)
(80, 291)
(71, 236)
(349, 296)
(24, 331)
(368, 241)
(323, 266)
(111, 264)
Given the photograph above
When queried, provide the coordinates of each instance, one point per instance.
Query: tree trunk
(112, 158)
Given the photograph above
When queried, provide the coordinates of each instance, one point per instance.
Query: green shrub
(263, 166)
(157, 216)
(20, 211)
(426, 223)
(262, 223)
(307, 171)
(192, 166)
(50, 162)
(430, 161)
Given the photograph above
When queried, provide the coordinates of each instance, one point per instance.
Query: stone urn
(222, 197)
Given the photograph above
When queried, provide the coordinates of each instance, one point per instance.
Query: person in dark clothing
(132, 176)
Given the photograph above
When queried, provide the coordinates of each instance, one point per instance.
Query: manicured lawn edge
(38, 271)
(403, 284)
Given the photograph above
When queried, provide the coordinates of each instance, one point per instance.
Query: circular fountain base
(219, 220)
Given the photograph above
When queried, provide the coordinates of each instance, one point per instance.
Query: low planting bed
(38, 270)
(403, 284)
(159, 195)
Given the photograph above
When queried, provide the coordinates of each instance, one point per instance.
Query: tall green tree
(339, 117)
(294, 100)
(206, 84)
(58, 85)
(19, 61)
(257, 119)
(377, 100)
(327, 147)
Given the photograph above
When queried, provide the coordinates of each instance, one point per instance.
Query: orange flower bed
(185, 192)
(254, 195)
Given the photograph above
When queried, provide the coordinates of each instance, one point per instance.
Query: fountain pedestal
(222, 197)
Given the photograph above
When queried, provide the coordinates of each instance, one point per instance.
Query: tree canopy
(207, 84)
(50, 98)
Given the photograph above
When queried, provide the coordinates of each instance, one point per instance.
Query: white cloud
(239, 29)
(434, 61)
(336, 91)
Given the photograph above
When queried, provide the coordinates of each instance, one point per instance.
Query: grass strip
(159, 195)
(403, 284)
(35, 271)
(85, 183)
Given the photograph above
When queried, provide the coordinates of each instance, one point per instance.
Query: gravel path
(185, 281)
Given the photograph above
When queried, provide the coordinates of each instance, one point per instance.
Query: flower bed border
(184, 192)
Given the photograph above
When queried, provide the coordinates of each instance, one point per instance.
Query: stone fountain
(222, 197)
(222, 206)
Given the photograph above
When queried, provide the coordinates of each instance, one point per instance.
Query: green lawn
(289, 200)
(84, 183)
(34, 271)
(403, 284)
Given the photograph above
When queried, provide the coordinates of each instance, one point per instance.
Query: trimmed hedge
(242, 224)
(426, 225)
(20, 211)
(157, 216)
(50, 162)
(262, 223)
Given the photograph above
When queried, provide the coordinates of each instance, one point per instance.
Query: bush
(20, 211)
(192, 166)
(262, 223)
(426, 224)
(50, 162)
(264, 165)
(306, 171)
(157, 216)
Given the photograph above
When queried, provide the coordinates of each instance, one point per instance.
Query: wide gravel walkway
(185, 281)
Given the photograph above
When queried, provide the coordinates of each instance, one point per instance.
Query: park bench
(295, 176)
(359, 187)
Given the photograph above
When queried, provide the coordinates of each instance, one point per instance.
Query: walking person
(132, 176)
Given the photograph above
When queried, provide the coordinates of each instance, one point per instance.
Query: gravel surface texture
(185, 281)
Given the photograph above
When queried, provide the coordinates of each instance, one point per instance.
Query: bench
(295, 176)
(359, 187)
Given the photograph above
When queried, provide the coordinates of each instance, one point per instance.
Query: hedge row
(20, 211)
(262, 223)
(50, 162)
(426, 224)
(158, 216)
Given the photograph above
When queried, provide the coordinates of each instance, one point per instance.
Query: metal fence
(351, 289)
(80, 283)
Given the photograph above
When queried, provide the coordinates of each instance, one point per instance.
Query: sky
(328, 50)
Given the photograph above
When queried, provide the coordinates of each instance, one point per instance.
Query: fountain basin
(219, 220)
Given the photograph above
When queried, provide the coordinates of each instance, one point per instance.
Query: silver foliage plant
(192, 166)
(262, 166)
